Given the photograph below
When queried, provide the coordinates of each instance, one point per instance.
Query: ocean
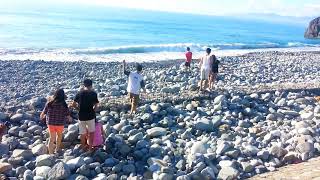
(111, 34)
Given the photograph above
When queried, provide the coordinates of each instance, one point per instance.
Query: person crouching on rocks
(135, 83)
(86, 101)
(205, 69)
(56, 113)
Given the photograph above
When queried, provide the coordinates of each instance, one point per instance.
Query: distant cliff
(313, 31)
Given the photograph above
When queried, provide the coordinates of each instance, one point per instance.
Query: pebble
(241, 133)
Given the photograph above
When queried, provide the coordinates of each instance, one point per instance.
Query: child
(56, 112)
(99, 135)
(214, 72)
(135, 83)
(188, 58)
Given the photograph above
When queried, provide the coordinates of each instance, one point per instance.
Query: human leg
(91, 130)
(131, 102)
(202, 78)
(214, 78)
(59, 138)
(83, 134)
(205, 78)
(52, 139)
(135, 103)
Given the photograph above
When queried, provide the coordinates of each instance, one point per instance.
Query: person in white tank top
(135, 83)
(205, 69)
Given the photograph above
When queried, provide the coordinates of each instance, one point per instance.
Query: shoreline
(142, 57)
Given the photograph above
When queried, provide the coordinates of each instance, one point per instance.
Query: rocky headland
(313, 30)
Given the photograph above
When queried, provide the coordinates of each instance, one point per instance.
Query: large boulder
(26, 154)
(39, 149)
(228, 173)
(42, 171)
(45, 160)
(156, 132)
(59, 171)
(313, 30)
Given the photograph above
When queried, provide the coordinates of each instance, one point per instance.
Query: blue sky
(298, 8)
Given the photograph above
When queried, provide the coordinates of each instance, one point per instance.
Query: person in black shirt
(86, 101)
(214, 72)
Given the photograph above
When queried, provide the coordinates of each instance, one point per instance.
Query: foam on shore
(65, 55)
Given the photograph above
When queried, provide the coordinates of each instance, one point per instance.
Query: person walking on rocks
(135, 83)
(99, 135)
(56, 113)
(188, 58)
(214, 72)
(86, 101)
(205, 69)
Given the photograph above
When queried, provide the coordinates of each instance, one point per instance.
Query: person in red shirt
(188, 58)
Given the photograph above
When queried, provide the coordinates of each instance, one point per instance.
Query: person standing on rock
(56, 113)
(86, 101)
(135, 83)
(214, 72)
(188, 58)
(205, 69)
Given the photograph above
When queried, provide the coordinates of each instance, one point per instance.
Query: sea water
(107, 34)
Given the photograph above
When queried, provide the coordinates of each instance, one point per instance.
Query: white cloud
(284, 7)
(213, 7)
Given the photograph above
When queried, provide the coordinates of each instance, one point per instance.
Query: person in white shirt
(205, 69)
(135, 83)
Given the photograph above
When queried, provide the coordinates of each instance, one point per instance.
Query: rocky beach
(262, 115)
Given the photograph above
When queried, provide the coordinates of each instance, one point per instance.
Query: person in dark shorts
(214, 72)
(188, 58)
(86, 101)
(135, 83)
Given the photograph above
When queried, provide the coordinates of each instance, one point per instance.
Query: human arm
(95, 102)
(74, 104)
(200, 63)
(68, 115)
(96, 107)
(124, 68)
(143, 84)
(104, 135)
(44, 112)
(69, 119)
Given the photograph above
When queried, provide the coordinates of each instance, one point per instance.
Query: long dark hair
(59, 97)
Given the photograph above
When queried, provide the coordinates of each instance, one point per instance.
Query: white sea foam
(65, 55)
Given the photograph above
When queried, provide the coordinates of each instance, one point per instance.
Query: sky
(296, 8)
